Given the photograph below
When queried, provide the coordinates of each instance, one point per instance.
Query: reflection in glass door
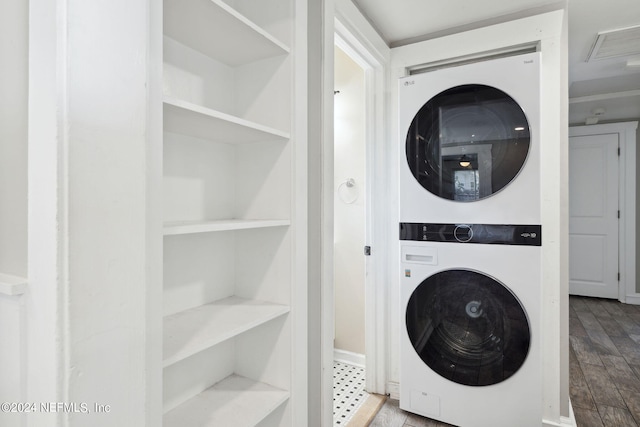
(466, 184)
(470, 135)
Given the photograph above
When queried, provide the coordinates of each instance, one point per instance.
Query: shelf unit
(12, 285)
(233, 401)
(191, 227)
(229, 191)
(233, 38)
(197, 329)
(187, 118)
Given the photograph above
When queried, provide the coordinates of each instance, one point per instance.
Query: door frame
(626, 132)
(602, 161)
(376, 235)
(375, 343)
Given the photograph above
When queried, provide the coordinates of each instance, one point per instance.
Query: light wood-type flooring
(604, 359)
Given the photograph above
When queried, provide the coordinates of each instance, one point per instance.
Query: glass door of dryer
(467, 143)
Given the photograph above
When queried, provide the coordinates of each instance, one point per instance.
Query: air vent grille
(616, 43)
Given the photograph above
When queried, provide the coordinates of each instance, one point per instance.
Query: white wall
(13, 136)
(349, 204)
(13, 197)
(320, 267)
(549, 31)
(95, 249)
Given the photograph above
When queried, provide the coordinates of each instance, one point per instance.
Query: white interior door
(593, 215)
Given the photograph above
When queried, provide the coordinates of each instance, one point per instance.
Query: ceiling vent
(616, 43)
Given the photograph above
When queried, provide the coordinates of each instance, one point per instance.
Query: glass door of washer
(468, 327)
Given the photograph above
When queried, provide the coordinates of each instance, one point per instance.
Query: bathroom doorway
(356, 293)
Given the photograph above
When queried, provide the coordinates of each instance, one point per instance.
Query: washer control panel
(499, 234)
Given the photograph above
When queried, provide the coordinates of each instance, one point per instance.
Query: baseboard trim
(632, 299)
(393, 389)
(349, 357)
(569, 421)
(564, 422)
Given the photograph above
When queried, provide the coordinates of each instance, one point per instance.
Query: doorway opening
(349, 236)
(354, 309)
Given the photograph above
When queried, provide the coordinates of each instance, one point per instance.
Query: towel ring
(348, 184)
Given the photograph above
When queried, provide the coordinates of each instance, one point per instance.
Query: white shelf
(12, 285)
(234, 401)
(219, 31)
(191, 331)
(190, 227)
(195, 120)
(229, 83)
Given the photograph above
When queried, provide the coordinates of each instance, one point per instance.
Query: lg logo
(409, 82)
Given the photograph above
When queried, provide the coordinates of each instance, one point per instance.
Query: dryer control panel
(497, 234)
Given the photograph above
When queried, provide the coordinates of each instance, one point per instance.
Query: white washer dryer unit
(469, 141)
(470, 346)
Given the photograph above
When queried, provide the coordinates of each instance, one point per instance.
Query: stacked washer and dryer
(470, 240)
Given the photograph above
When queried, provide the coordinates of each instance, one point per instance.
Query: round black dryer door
(468, 142)
(468, 327)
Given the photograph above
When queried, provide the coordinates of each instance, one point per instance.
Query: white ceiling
(608, 83)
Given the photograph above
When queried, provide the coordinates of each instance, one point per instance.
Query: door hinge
(618, 277)
(618, 151)
(367, 250)
(618, 213)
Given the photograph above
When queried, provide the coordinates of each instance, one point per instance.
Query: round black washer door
(468, 142)
(468, 327)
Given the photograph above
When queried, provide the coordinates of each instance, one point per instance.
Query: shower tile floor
(348, 392)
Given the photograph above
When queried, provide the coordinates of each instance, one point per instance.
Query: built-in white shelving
(219, 31)
(228, 187)
(190, 227)
(12, 285)
(194, 330)
(234, 401)
(187, 118)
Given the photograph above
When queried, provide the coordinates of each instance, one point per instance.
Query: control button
(463, 233)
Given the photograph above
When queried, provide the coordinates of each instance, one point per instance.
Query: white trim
(352, 34)
(44, 308)
(569, 421)
(12, 285)
(327, 327)
(300, 174)
(604, 96)
(393, 389)
(602, 128)
(633, 299)
(564, 422)
(373, 46)
(349, 357)
(627, 201)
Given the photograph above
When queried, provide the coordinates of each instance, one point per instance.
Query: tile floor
(348, 392)
(604, 358)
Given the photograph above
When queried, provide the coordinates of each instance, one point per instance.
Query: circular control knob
(463, 233)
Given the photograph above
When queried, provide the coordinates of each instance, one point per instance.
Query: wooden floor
(604, 358)
(604, 362)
